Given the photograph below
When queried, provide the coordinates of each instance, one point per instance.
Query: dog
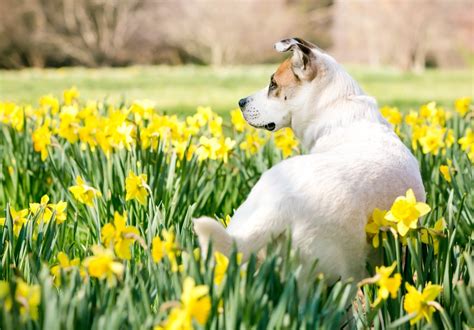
(355, 163)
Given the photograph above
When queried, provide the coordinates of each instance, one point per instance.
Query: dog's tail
(208, 230)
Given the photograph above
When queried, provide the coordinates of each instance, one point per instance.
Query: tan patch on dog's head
(283, 81)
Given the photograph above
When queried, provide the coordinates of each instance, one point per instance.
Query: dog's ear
(303, 60)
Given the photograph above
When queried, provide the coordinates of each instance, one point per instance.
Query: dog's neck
(336, 102)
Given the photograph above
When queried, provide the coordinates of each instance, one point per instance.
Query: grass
(181, 89)
(145, 290)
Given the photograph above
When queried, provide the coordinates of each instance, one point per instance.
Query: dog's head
(271, 108)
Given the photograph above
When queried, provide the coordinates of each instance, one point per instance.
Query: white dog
(356, 163)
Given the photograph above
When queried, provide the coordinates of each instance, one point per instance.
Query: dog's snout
(242, 102)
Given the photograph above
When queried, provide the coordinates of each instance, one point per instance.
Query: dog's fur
(356, 163)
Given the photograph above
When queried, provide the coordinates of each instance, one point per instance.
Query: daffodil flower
(102, 265)
(444, 170)
(238, 120)
(220, 269)
(252, 143)
(405, 212)
(467, 143)
(421, 304)
(431, 235)
(28, 297)
(378, 225)
(433, 140)
(136, 187)
(392, 114)
(208, 148)
(19, 218)
(83, 192)
(42, 139)
(462, 105)
(167, 246)
(195, 305)
(120, 236)
(65, 264)
(70, 95)
(386, 285)
(157, 249)
(286, 141)
(48, 209)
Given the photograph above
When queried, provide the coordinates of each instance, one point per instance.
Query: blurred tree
(407, 34)
(219, 32)
(61, 32)
(120, 32)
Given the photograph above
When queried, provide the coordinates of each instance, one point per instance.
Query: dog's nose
(242, 102)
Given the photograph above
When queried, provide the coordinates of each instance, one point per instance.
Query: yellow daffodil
(387, 286)
(405, 212)
(83, 192)
(421, 304)
(427, 110)
(142, 109)
(215, 126)
(444, 170)
(467, 143)
(167, 246)
(252, 143)
(392, 114)
(123, 136)
(195, 305)
(226, 220)
(462, 105)
(196, 301)
(19, 218)
(102, 265)
(418, 132)
(64, 264)
(204, 114)
(171, 248)
(28, 298)
(431, 235)
(5, 295)
(12, 114)
(70, 95)
(50, 102)
(433, 140)
(136, 187)
(42, 139)
(238, 120)
(226, 146)
(43, 204)
(412, 118)
(208, 148)
(120, 236)
(4, 289)
(377, 225)
(59, 209)
(286, 141)
(157, 249)
(69, 124)
(222, 262)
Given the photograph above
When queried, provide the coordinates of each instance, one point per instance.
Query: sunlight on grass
(181, 89)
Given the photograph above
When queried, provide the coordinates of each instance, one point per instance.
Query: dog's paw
(207, 230)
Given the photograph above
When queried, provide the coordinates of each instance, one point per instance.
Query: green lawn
(181, 89)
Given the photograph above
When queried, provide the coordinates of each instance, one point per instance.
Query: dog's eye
(273, 85)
